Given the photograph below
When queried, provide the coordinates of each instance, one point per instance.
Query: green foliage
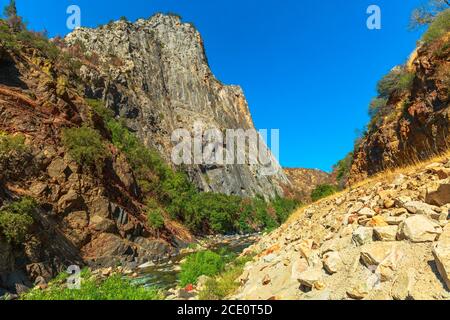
(85, 146)
(16, 219)
(439, 27)
(10, 10)
(398, 79)
(225, 284)
(323, 191)
(155, 217)
(10, 143)
(113, 288)
(201, 263)
(342, 169)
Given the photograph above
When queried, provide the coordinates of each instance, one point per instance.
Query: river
(165, 275)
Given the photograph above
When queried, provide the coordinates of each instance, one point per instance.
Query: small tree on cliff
(10, 12)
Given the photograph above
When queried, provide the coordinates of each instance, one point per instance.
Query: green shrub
(323, 191)
(438, 28)
(201, 263)
(155, 217)
(10, 143)
(113, 288)
(405, 81)
(85, 146)
(16, 220)
(398, 79)
(225, 284)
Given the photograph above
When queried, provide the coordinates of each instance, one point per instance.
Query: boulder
(58, 168)
(310, 277)
(332, 262)
(417, 207)
(101, 224)
(71, 201)
(100, 206)
(387, 233)
(373, 254)
(419, 228)
(439, 196)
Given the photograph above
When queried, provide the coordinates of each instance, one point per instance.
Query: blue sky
(307, 67)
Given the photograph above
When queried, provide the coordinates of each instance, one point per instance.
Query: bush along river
(165, 275)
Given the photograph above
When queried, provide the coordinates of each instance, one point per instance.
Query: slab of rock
(439, 196)
(417, 207)
(419, 228)
(310, 277)
(373, 254)
(387, 233)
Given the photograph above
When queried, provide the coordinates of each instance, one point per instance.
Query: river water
(165, 275)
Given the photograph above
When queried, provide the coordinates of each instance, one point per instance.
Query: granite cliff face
(154, 74)
(418, 127)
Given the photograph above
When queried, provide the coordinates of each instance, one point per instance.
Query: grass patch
(225, 284)
(113, 288)
(203, 263)
(10, 143)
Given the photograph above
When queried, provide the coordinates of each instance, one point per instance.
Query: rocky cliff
(417, 125)
(82, 216)
(388, 238)
(154, 74)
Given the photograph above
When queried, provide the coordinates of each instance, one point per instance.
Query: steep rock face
(304, 181)
(419, 127)
(154, 74)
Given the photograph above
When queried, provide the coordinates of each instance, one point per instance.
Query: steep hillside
(304, 181)
(388, 238)
(411, 116)
(67, 194)
(154, 73)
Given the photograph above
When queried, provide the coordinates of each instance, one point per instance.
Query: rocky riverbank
(387, 238)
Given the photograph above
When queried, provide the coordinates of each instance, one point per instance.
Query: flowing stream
(164, 275)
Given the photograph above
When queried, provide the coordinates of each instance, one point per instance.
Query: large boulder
(419, 228)
(439, 196)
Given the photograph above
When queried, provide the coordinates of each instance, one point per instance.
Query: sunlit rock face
(154, 74)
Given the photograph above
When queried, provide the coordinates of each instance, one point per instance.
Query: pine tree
(10, 11)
